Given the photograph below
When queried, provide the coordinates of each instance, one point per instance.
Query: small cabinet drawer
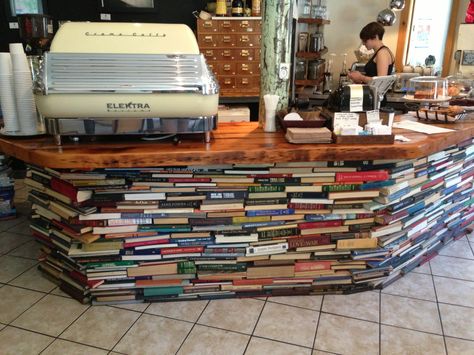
(248, 69)
(226, 82)
(210, 54)
(213, 68)
(248, 40)
(226, 68)
(250, 26)
(243, 54)
(208, 40)
(226, 26)
(248, 82)
(227, 40)
(207, 26)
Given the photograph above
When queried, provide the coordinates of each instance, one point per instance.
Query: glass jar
(300, 70)
(306, 12)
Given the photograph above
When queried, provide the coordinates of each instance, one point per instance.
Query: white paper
(357, 98)
(399, 137)
(373, 116)
(421, 127)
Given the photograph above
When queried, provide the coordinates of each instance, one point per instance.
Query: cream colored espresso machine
(126, 79)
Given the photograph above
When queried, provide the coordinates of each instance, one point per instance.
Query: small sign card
(373, 116)
(345, 120)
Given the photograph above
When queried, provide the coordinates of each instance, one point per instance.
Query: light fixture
(386, 17)
(397, 5)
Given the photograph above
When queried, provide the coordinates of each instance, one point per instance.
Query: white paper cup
(270, 125)
(16, 48)
(20, 63)
(7, 101)
(5, 64)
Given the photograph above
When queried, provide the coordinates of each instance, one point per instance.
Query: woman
(381, 63)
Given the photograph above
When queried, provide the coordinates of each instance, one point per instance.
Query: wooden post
(277, 17)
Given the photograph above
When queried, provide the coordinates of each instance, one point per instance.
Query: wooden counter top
(232, 143)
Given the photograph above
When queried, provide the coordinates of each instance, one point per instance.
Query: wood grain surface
(231, 143)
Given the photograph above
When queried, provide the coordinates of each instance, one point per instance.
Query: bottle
(256, 8)
(343, 75)
(221, 8)
(247, 8)
(237, 8)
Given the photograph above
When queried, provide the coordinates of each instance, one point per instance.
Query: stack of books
(205, 232)
(7, 190)
(308, 135)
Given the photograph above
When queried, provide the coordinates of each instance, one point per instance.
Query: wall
(88, 10)
(347, 19)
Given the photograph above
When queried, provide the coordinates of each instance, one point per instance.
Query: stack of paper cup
(7, 95)
(271, 102)
(25, 102)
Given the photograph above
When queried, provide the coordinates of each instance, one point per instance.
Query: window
(19, 7)
(429, 29)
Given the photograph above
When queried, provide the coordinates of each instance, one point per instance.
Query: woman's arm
(384, 59)
(358, 78)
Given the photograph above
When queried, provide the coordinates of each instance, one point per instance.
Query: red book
(376, 175)
(96, 223)
(313, 265)
(432, 183)
(82, 279)
(69, 190)
(320, 224)
(308, 241)
(189, 180)
(245, 282)
(146, 242)
(183, 250)
(364, 215)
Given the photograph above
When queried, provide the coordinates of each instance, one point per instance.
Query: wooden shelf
(311, 55)
(314, 21)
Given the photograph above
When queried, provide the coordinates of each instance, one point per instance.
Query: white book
(99, 216)
(148, 196)
(322, 201)
(111, 230)
(267, 249)
(141, 257)
(156, 246)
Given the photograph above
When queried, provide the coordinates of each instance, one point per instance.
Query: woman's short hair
(371, 31)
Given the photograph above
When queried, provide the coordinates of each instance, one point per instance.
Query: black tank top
(371, 67)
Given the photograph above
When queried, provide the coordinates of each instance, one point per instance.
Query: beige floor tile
(459, 346)
(14, 341)
(259, 346)
(288, 324)
(58, 292)
(423, 269)
(14, 301)
(413, 285)
(186, 310)
(10, 241)
(137, 307)
(22, 229)
(30, 250)
(310, 302)
(11, 267)
(363, 305)
(6, 225)
(453, 267)
(2, 326)
(238, 315)
(346, 335)
(51, 315)
(410, 313)
(459, 248)
(453, 291)
(211, 341)
(101, 326)
(34, 280)
(319, 352)
(397, 341)
(457, 321)
(63, 347)
(143, 337)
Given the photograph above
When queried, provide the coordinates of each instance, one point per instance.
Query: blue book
(377, 184)
(257, 213)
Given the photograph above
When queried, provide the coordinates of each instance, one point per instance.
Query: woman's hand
(356, 77)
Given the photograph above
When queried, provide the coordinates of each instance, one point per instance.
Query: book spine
(362, 176)
(182, 250)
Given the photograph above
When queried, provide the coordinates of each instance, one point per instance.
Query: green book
(266, 188)
(163, 291)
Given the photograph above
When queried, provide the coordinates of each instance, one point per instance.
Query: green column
(275, 49)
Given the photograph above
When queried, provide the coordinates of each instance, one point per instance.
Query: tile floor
(429, 311)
